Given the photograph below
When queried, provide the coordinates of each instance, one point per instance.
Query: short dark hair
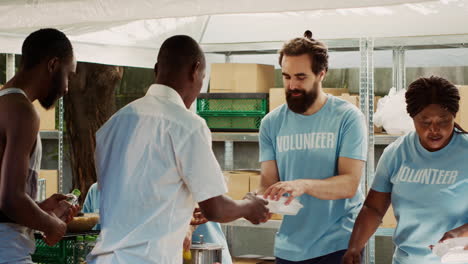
(177, 53)
(45, 44)
(316, 50)
(433, 90)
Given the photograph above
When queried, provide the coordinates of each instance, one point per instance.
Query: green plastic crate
(232, 103)
(232, 122)
(60, 253)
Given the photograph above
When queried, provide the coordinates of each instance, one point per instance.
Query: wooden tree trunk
(88, 105)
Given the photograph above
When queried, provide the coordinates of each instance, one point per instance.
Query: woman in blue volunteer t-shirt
(424, 175)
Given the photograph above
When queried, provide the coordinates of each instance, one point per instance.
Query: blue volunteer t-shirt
(429, 193)
(308, 147)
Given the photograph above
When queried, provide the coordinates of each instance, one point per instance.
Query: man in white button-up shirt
(154, 163)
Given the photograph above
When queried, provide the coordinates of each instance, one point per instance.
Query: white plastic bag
(278, 207)
(391, 113)
(452, 250)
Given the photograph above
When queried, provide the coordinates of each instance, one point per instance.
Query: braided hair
(433, 90)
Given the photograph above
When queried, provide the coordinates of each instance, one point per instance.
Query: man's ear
(194, 73)
(322, 75)
(53, 64)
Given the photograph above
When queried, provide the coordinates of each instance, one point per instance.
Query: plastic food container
(452, 250)
(278, 207)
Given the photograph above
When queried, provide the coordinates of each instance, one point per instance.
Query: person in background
(424, 175)
(154, 163)
(314, 149)
(212, 233)
(47, 63)
(91, 203)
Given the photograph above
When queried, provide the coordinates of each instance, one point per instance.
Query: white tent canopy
(123, 32)
(60, 13)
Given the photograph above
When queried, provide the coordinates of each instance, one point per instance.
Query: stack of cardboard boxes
(236, 83)
(241, 78)
(47, 117)
(51, 178)
(239, 183)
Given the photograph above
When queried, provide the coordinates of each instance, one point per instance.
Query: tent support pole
(10, 66)
(366, 99)
(205, 25)
(399, 71)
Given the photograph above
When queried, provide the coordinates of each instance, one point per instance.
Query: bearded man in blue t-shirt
(313, 149)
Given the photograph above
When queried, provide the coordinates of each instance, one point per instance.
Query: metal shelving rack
(379, 139)
(60, 145)
(366, 99)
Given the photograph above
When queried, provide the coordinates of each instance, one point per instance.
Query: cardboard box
(238, 184)
(51, 177)
(277, 97)
(335, 91)
(254, 183)
(47, 116)
(354, 99)
(389, 220)
(358, 104)
(376, 101)
(462, 115)
(241, 78)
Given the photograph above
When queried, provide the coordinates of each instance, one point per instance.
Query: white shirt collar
(160, 90)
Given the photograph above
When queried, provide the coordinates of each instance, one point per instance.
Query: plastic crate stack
(72, 249)
(233, 111)
(60, 253)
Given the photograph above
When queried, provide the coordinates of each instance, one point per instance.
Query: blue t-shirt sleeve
(88, 204)
(354, 137)
(267, 149)
(91, 202)
(382, 182)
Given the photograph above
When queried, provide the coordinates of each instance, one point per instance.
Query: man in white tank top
(46, 65)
